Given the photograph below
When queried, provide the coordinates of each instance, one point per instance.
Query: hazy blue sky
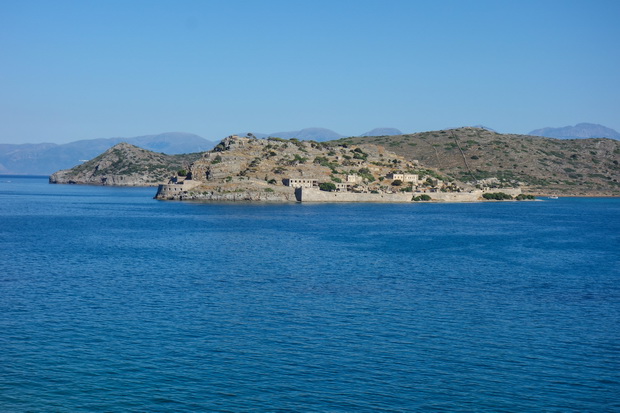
(85, 69)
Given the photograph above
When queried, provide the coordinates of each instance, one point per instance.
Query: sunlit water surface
(112, 301)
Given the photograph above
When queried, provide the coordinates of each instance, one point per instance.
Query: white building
(404, 177)
(354, 179)
(301, 182)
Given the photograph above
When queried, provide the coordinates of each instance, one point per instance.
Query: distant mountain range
(382, 132)
(322, 134)
(579, 131)
(46, 158)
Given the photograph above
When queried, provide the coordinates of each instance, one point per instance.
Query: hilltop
(125, 165)
(580, 167)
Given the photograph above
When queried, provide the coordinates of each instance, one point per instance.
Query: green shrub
(327, 186)
(522, 197)
(422, 197)
(498, 196)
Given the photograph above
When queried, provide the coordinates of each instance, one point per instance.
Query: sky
(86, 69)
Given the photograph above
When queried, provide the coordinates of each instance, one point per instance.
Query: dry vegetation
(543, 165)
(126, 164)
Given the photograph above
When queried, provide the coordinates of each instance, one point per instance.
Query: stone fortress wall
(316, 195)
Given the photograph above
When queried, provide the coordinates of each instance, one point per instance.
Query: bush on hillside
(497, 196)
(327, 186)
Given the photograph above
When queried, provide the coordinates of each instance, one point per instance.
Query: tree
(397, 182)
(327, 186)
(498, 196)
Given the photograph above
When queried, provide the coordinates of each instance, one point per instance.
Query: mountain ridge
(579, 131)
(319, 134)
(46, 158)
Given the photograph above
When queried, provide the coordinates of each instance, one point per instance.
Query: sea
(111, 301)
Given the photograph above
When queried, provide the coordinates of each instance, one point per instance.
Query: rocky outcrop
(125, 165)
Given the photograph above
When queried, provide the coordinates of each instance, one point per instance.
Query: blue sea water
(113, 301)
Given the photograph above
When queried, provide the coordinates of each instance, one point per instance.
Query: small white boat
(553, 197)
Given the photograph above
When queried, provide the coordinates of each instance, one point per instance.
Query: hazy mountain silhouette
(581, 130)
(315, 134)
(46, 158)
(321, 134)
(382, 132)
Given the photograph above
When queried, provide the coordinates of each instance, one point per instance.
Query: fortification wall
(165, 191)
(316, 195)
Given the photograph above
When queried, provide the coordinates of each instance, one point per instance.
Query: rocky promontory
(125, 165)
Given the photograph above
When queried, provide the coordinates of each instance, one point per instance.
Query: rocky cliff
(125, 165)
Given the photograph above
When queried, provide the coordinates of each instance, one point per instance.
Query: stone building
(404, 177)
(356, 179)
(301, 182)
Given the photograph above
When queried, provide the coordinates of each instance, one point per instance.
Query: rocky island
(280, 170)
(462, 164)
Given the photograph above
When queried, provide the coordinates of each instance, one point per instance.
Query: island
(281, 170)
(462, 164)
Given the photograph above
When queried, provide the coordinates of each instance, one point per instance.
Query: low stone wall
(184, 191)
(316, 195)
(473, 196)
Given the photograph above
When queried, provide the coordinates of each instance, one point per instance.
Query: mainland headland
(457, 165)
